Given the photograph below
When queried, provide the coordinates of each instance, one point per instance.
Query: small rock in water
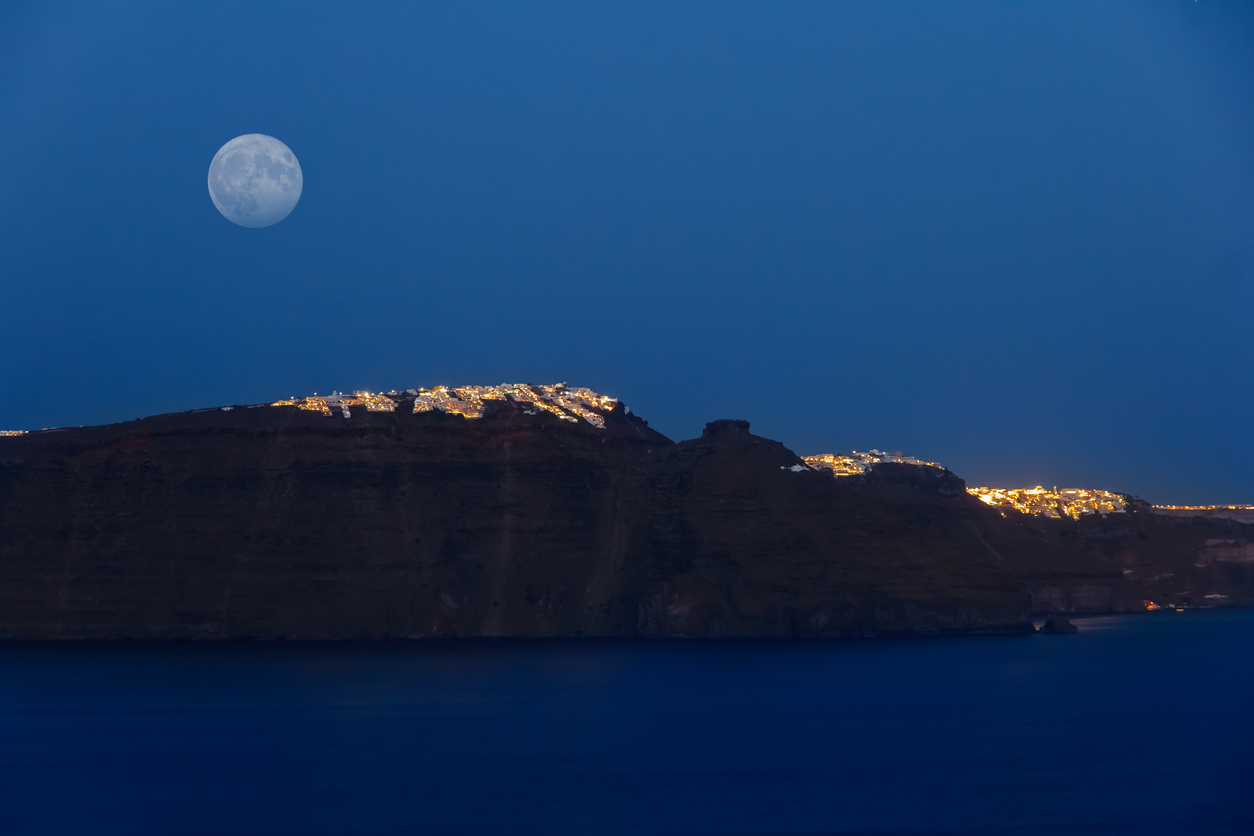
(1058, 626)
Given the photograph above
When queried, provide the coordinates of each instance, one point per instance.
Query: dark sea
(1141, 723)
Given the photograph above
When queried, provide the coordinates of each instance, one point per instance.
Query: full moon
(255, 180)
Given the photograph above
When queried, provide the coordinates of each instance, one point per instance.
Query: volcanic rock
(1111, 563)
(279, 522)
(1058, 626)
(1097, 563)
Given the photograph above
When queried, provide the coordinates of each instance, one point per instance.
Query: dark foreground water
(1140, 723)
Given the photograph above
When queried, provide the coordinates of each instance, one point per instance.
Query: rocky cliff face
(1200, 560)
(1094, 564)
(277, 522)
(371, 519)
(1051, 558)
(1116, 562)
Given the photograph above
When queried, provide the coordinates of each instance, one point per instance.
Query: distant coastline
(528, 510)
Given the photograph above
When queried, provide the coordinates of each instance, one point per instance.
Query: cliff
(1096, 563)
(542, 511)
(1117, 562)
(281, 522)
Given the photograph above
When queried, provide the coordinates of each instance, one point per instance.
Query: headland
(529, 510)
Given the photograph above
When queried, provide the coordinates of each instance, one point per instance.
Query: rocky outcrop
(1058, 626)
(1051, 558)
(748, 543)
(1200, 560)
(1095, 564)
(274, 522)
(1116, 562)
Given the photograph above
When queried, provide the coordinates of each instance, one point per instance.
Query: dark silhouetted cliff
(283, 522)
(278, 522)
(1094, 564)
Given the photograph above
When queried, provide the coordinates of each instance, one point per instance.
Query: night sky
(1014, 238)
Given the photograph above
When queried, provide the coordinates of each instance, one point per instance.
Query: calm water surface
(1139, 723)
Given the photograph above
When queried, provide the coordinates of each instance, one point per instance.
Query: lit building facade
(855, 462)
(1068, 502)
(567, 403)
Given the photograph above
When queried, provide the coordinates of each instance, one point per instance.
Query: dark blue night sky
(1014, 238)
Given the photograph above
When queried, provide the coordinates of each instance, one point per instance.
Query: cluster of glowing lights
(466, 401)
(1040, 501)
(1043, 502)
(855, 462)
(569, 404)
(371, 401)
(1205, 507)
(7, 433)
(337, 401)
